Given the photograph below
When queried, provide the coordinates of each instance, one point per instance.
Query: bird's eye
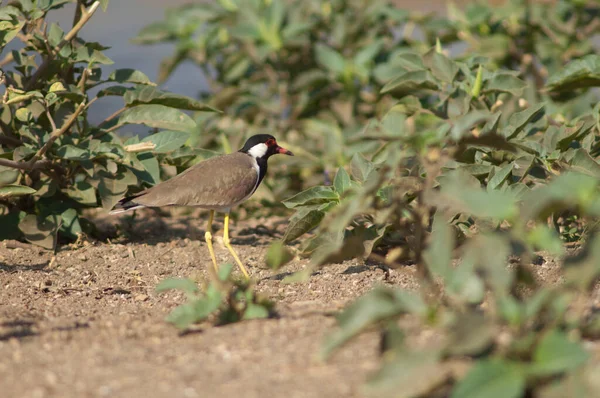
(270, 142)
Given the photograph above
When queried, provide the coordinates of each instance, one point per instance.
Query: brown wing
(222, 181)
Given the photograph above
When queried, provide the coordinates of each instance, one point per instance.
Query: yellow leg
(208, 239)
(227, 243)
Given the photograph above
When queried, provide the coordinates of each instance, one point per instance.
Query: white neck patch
(258, 150)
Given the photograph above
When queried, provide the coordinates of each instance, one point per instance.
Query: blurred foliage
(463, 144)
(54, 162)
(311, 71)
(223, 301)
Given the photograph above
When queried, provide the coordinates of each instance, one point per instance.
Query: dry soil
(87, 321)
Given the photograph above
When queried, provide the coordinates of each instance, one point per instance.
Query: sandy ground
(89, 323)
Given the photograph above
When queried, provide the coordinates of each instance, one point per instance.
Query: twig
(57, 133)
(15, 244)
(68, 37)
(114, 115)
(589, 30)
(83, 80)
(7, 60)
(24, 165)
(50, 118)
(6, 140)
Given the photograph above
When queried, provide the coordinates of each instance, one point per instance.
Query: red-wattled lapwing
(216, 184)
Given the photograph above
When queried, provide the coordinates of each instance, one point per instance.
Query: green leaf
(314, 195)
(83, 193)
(40, 231)
(167, 141)
(438, 256)
(23, 115)
(183, 316)
(104, 4)
(11, 190)
(504, 83)
(368, 53)
(72, 152)
(278, 255)
(303, 221)
(408, 374)
(443, 68)
(462, 125)
(255, 311)
(151, 167)
(130, 76)
(583, 72)
(375, 306)
(87, 53)
(500, 175)
(238, 70)
(112, 188)
(186, 285)
(491, 379)
(556, 353)
(470, 334)
(583, 162)
(157, 116)
(410, 83)
(459, 195)
(187, 314)
(55, 35)
(118, 91)
(570, 188)
(518, 121)
(544, 238)
(341, 182)
(151, 95)
(70, 223)
(361, 168)
(9, 30)
(330, 59)
(493, 268)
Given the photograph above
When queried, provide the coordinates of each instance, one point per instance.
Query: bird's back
(219, 182)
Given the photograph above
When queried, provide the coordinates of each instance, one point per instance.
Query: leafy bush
(311, 71)
(462, 165)
(54, 162)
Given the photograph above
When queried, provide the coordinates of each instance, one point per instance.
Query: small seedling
(225, 300)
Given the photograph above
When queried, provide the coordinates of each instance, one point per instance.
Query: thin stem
(91, 102)
(6, 140)
(83, 80)
(7, 60)
(57, 133)
(108, 119)
(24, 165)
(50, 118)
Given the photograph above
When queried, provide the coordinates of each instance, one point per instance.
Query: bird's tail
(126, 204)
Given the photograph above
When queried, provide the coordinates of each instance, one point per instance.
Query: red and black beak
(283, 151)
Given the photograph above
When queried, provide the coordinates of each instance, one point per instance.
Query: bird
(217, 184)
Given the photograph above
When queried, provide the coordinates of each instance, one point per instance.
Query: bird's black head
(262, 146)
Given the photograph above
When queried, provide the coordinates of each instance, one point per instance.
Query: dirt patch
(87, 323)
